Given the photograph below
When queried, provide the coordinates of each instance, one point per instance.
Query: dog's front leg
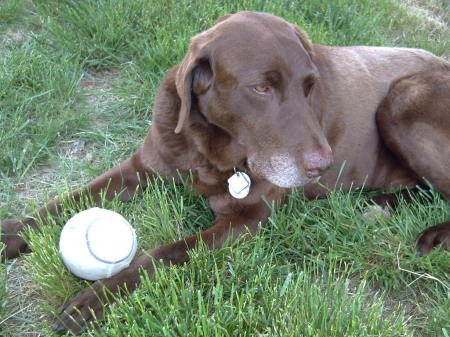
(88, 304)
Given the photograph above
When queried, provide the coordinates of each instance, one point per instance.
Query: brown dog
(254, 95)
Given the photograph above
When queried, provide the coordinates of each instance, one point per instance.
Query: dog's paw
(376, 212)
(432, 237)
(81, 310)
(10, 229)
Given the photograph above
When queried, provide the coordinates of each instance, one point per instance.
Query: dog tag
(239, 185)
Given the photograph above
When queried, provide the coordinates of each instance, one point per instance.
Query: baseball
(97, 243)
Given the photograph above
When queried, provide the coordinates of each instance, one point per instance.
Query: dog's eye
(262, 89)
(308, 84)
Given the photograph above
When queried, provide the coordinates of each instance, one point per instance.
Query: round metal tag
(239, 185)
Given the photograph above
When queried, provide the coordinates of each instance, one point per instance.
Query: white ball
(97, 243)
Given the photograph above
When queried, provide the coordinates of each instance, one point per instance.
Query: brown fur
(253, 94)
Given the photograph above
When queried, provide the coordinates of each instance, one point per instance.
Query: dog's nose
(316, 162)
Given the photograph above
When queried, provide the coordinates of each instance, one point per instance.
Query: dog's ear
(194, 75)
(303, 37)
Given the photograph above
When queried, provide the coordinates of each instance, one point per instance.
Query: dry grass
(27, 316)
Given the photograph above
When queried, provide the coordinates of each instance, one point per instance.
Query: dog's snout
(316, 162)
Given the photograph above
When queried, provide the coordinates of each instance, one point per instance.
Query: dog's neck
(224, 153)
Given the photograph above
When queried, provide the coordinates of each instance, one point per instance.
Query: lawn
(77, 84)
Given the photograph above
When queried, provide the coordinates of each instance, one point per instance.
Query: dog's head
(251, 76)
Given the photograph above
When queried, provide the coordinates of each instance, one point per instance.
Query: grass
(37, 100)
(258, 297)
(11, 12)
(86, 72)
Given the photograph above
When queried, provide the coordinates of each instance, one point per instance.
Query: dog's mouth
(282, 170)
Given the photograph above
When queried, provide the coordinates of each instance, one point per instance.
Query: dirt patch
(98, 88)
(39, 184)
(12, 36)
